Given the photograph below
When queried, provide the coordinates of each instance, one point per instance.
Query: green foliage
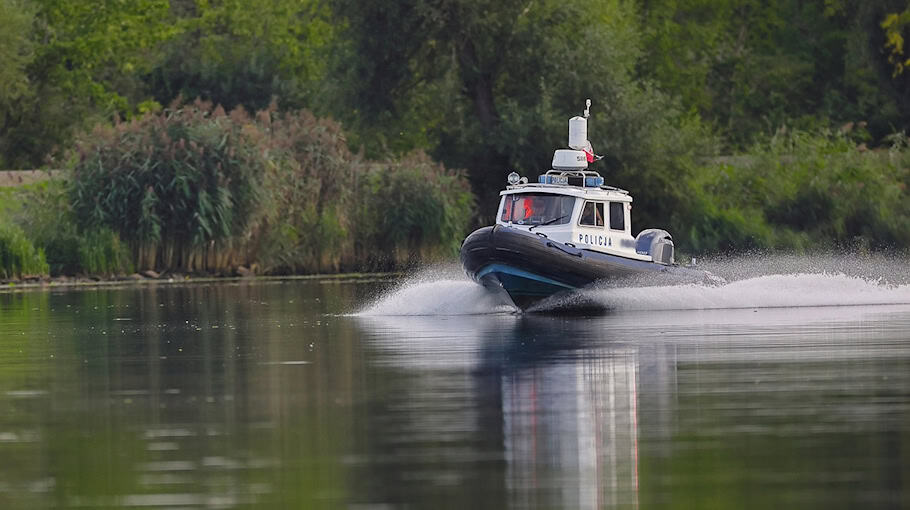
(101, 252)
(10, 201)
(44, 213)
(489, 87)
(16, 52)
(46, 216)
(750, 67)
(312, 195)
(799, 190)
(18, 256)
(245, 53)
(84, 64)
(411, 210)
(172, 184)
(687, 42)
(337, 211)
(894, 25)
(195, 189)
(87, 46)
(476, 84)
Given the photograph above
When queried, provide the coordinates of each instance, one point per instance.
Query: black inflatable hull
(529, 267)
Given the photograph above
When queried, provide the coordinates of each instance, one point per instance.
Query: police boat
(565, 232)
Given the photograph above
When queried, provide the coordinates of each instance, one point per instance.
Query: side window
(617, 216)
(506, 208)
(592, 214)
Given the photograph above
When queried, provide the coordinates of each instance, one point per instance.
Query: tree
(894, 25)
(751, 67)
(490, 87)
(16, 53)
(244, 52)
(85, 62)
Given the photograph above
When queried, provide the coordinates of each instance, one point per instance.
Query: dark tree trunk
(478, 83)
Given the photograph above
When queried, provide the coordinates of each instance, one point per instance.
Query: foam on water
(753, 282)
(770, 291)
(438, 292)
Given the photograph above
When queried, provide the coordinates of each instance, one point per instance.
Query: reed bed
(18, 256)
(196, 189)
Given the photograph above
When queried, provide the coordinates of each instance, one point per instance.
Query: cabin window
(617, 216)
(537, 209)
(592, 214)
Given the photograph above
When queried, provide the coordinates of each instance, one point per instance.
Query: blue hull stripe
(509, 270)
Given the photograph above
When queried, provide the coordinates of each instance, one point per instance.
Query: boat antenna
(587, 108)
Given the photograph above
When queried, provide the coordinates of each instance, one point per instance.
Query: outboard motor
(656, 243)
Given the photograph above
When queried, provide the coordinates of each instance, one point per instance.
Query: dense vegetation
(195, 189)
(741, 124)
(802, 191)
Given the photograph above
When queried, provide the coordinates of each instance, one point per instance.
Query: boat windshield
(537, 208)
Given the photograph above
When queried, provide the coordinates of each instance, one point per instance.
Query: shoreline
(28, 285)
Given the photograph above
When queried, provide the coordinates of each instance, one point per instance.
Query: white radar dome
(565, 159)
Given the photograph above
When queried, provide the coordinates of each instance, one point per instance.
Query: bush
(102, 253)
(46, 217)
(182, 187)
(18, 256)
(409, 210)
(311, 196)
(195, 189)
(797, 190)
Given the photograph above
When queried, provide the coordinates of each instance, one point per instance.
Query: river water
(773, 391)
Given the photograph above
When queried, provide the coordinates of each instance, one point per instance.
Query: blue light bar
(589, 181)
(553, 179)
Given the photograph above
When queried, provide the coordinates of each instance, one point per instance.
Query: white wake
(437, 297)
(770, 291)
(761, 282)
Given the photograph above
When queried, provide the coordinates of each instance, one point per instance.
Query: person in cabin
(529, 208)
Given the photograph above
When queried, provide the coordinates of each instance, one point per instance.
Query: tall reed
(410, 210)
(182, 188)
(197, 189)
(312, 193)
(18, 256)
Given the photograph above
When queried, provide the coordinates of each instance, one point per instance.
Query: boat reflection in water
(568, 410)
(571, 434)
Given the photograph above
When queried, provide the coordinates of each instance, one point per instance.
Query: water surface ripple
(427, 394)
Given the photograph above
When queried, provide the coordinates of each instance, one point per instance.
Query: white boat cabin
(572, 207)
